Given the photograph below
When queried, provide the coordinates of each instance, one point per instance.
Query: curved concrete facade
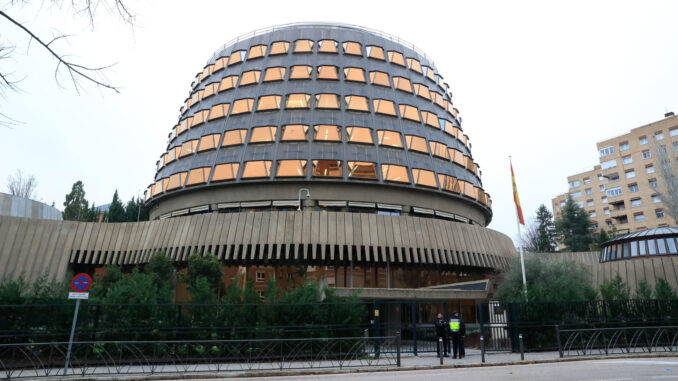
(34, 247)
(350, 114)
(23, 207)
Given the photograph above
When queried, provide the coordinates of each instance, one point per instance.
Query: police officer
(442, 332)
(458, 331)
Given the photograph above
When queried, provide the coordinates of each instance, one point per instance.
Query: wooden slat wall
(34, 247)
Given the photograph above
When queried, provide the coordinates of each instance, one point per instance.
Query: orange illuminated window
(416, 143)
(447, 126)
(327, 101)
(200, 117)
(219, 111)
(173, 154)
(250, 77)
(303, 46)
(197, 97)
(375, 52)
(291, 168)
(438, 99)
(356, 103)
(457, 157)
(359, 135)
(254, 169)
(242, 106)
(298, 101)
(448, 183)
(274, 74)
(209, 142)
(354, 74)
(220, 64)
(269, 102)
(424, 178)
(352, 48)
(409, 112)
(379, 78)
(263, 134)
(198, 176)
(396, 58)
(234, 138)
(395, 173)
(327, 133)
(430, 119)
(206, 72)
(429, 73)
(257, 51)
(362, 170)
(389, 138)
(279, 47)
(236, 57)
(402, 84)
(301, 72)
(327, 168)
(327, 46)
(176, 180)
(228, 83)
(294, 132)
(467, 189)
(188, 148)
(184, 125)
(157, 188)
(422, 91)
(439, 150)
(210, 89)
(328, 72)
(224, 172)
(414, 64)
(384, 106)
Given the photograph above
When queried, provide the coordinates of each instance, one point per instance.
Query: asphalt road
(659, 369)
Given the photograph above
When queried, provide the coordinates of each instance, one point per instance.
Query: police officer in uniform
(458, 331)
(442, 332)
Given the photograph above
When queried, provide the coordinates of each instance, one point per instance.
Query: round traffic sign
(81, 282)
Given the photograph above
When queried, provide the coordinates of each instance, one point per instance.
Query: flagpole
(520, 240)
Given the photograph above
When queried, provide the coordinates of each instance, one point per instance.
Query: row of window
(325, 101)
(323, 72)
(321, 133)
(323, 46)
(659, 246)
(360, 170)
(625, 146)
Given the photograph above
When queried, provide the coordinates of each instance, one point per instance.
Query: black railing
(620, 340)
(21, 360)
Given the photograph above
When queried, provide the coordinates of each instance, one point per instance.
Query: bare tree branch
(20, 185)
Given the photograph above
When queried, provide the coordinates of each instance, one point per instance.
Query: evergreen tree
(76, 206)
(598, 240)
(546, 230)
(615, 289)
(573, 227)
(116, 212)
(643, 290)
(135, 210)
(663, 291)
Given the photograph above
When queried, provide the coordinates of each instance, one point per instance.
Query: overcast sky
(542, 81)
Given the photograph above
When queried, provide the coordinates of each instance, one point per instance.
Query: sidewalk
(424, 361)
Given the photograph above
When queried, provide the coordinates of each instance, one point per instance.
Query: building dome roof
(355, 115)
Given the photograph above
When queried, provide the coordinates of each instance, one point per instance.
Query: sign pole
(70, 341)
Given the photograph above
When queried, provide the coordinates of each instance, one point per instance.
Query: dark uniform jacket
(442, 327)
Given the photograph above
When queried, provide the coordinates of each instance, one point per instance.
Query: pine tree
(76, 206)
(116, 212)
(133, 213)
(573, 227)
(546, 230)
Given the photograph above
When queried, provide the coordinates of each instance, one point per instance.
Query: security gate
(496, 325)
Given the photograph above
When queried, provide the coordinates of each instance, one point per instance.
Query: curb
(315, 372)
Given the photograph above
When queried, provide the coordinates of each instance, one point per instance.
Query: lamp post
(308, 194)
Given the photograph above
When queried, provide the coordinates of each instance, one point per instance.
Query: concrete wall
(631, 270)
(22, 207)
(34, 247)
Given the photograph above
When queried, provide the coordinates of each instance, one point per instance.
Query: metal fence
(29, 360)
(621, 340)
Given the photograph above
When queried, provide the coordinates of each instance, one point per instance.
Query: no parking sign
(80, 284)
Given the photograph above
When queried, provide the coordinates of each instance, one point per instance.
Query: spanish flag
(516, 199)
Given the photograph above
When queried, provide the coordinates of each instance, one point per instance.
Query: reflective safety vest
(454, 325)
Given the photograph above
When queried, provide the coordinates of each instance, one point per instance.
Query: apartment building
(622, 192)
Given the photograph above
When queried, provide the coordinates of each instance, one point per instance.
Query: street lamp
(308, 194)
